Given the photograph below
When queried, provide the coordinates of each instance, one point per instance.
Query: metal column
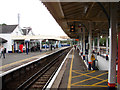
(118, 73)
(45, 46)
(90, 49)
(93, 45)
(40, 45)
(79, 46)
(106, 46)
(113, 47)
(83, 43)
(27, 42)
(98, 44)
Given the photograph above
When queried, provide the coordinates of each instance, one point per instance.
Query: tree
(3, 24)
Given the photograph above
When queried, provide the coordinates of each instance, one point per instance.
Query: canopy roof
(80, 14)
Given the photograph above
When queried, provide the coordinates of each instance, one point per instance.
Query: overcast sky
(32, 14)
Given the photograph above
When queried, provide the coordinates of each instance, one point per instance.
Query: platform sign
(92, 57)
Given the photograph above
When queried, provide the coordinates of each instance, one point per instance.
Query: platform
(14, 60)
(76, 75)
(103, 64)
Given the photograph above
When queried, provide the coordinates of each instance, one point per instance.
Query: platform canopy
(37, 37)
(80, 14)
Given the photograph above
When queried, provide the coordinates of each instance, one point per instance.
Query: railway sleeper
(41, 80)
(40, 83)
(37, 86)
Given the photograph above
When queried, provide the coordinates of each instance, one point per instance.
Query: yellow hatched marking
(81, 73)
(100, 82)
(85, 75)
(70, 73)
(88, 79)
(7, 65)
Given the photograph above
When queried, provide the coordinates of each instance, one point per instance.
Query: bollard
(106, 57)
(89, 65)
(111, 86)
(97, 53)
(83, 57)
(81, 53)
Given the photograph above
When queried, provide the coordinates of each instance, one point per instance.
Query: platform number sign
(72, 28)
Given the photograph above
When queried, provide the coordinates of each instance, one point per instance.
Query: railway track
(38, 75)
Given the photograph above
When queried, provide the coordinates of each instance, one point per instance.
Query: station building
(6, 34)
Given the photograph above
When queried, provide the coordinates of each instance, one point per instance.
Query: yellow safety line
(70, 73)
(7, 65)
(88, 79)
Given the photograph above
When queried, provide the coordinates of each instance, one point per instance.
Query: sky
(32, 14)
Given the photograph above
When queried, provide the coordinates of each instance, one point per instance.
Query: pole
(27, 47)
(118, 74)
(113, 46)
(83, 43)
(40, 45)
(45, 46)
(79, 45)
(98, 44)
(106, 46)
(93, 45)
(90, 49)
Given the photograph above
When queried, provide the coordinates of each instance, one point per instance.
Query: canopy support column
(83, 43)
(90, 49)
(113, 46)
(106, 46)
(118, 73)
(40, 45)
(93, 45)
(98, 44)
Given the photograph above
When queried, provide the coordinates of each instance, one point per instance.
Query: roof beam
(99, 13)
(74, 13)
(72, 9)
(89, 10)
(91, 19)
